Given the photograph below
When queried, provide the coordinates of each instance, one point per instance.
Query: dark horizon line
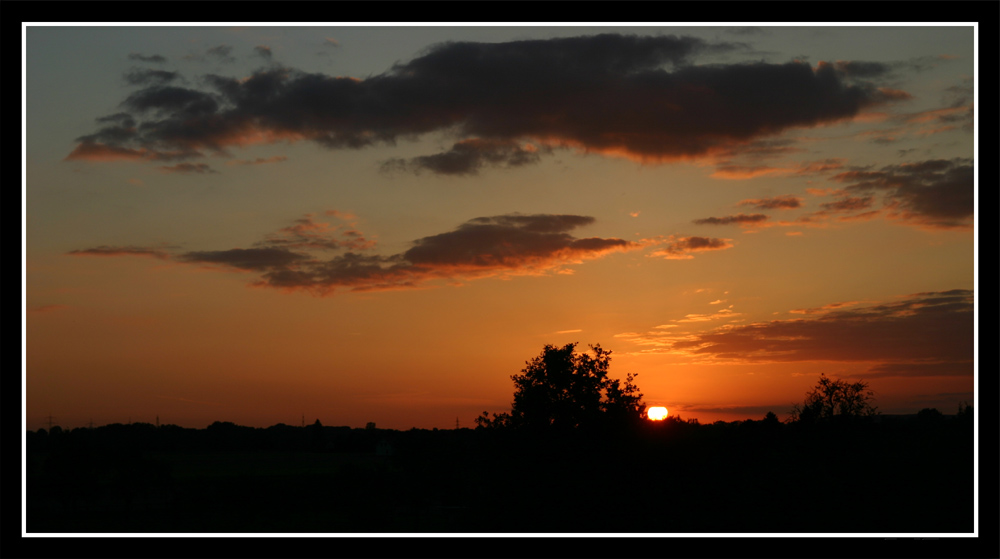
(307, 425)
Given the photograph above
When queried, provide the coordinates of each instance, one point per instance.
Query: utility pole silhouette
(303, 420)
(456, 424)
(50, 421)
(157, 421)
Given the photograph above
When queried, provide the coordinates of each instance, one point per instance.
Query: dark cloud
(188, 168)
(468, 156)
(679, 248)
(740, 219)
(929, 330)
(933, 194)
(623, 95)
(115, 130)
(482, 247)
(786, 202)
(177, 101)
(507, 241)
(504, 245)
(145, 76)
(154, 58)
(254, 259)
(263, 51)
(105, 250)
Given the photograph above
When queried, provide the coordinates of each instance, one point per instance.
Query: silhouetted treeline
(874, 474)
(219, 436)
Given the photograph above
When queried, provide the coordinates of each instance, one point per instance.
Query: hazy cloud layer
(624, 95)
(922, 334)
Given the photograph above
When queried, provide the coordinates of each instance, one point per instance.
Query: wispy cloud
(258, 160)
(933, 194)
(105, 250)
(786, 202)
(742, 220)
(825, 308)
(924, 334)
(188, 168)
(154, 58)
(503, 245)
(681, 248)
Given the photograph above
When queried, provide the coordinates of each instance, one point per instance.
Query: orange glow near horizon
(657, 413)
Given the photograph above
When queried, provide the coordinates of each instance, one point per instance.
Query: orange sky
(221, 231)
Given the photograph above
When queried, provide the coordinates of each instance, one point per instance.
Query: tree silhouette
(563, 389)
(835, 399)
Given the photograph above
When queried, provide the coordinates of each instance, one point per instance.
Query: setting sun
(657, 413)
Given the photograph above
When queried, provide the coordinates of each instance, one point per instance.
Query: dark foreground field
(897, 475)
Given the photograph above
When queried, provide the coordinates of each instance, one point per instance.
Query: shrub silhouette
(564, 389)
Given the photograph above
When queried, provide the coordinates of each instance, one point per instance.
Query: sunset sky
(354, 224)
